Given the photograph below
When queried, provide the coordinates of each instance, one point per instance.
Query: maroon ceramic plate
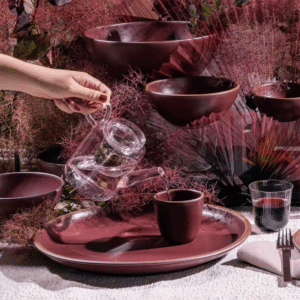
(92, 241)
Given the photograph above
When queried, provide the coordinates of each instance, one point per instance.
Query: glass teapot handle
(92, 121)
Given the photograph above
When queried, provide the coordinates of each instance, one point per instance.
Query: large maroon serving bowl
(279, 100)
(184, 100)
(143, 45)
(27, 189)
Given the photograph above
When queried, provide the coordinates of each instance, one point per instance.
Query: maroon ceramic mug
(179, 214)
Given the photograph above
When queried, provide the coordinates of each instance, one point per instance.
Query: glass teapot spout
(138, 176)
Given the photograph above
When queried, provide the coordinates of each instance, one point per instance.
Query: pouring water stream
(165, 180)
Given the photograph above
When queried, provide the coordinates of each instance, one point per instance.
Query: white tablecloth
(37, 277)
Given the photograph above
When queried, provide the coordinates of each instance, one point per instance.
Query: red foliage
(69, 21)
(23, 225)
(6, 24)
(137, 197)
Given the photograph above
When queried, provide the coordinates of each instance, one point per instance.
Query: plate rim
(220, 252)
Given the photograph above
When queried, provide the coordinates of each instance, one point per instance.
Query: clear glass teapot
(105, 160)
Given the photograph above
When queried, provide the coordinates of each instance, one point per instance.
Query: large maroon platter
(123, 244)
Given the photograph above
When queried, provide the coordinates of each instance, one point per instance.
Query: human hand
(74, 91)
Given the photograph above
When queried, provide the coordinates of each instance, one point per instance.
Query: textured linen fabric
(265, 256)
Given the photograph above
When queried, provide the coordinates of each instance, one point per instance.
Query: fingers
(81, 106)
(85, 94)
(63, 106)
(91, 89)
(92, 95)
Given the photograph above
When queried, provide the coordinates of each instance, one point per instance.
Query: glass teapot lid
(122, 135)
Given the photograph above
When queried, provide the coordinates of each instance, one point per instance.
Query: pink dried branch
(136, 198)
(6, 25)
(22, 226)
(66, 22)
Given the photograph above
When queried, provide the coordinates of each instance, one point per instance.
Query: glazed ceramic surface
(282, 102)
(91, 240)
(179, 214)
(143, 45)
(26, 189)
(59, 2)
(183, 100)
(49, 162)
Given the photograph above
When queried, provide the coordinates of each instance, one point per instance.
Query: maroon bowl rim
(276, 98)
(144, 43)
(148, 86)
(200, 198)
(34, 173)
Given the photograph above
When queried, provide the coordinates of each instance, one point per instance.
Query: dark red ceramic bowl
(27, 189)
(280, 101)
(143, 45)
(49, 161)
(184, 100)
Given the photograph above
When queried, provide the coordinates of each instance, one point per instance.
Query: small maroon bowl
(279, 100)
(49, 161)
(27, 189)
(143, 45)
(184, 100)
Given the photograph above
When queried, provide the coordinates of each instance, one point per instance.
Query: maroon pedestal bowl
(280, 101)
(184, 100)
(143, 45)
(27, 189)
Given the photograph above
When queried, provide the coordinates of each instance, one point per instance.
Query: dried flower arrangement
(241, 150)
(21, 228)
(267, 48)
(227, 19)
(28, 125)
(257, 42)
(130, 102)
(6, 24)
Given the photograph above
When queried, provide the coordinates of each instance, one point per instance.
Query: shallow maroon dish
(280, 101)
(92, 241)
(184, 100)
(27, 189)
(143, 45)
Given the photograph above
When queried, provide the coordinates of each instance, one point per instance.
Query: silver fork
(285, 243)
